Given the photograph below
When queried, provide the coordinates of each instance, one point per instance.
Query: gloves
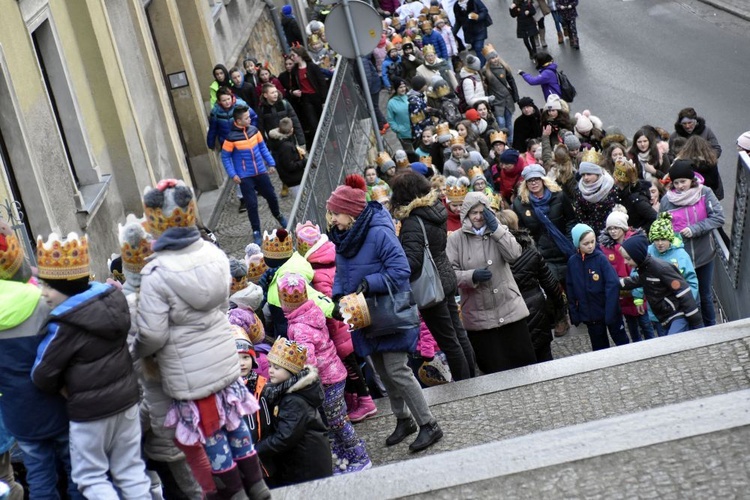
(521, 72)
(481, 275)
(363, 287)
(336, 313)
(490, 219)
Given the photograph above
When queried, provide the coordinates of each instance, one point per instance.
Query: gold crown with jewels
(63, 260)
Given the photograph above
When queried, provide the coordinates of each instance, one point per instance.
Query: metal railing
(342, 145)
(12, 213)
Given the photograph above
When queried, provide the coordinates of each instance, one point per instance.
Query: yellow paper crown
(426, 159)
(428, 49)
(355, 312)
(379, 193)
(134, 254)
(382, 158)
(625, 171)
(458, 140)
(11, 259)
(274, 247)
(157, 219)
(238, 284)
(256, 266)
(63, 260)
(402, 162)
(456, 192)
(473, 172)
(411, 23)
(487, 49)
(591, 156)
(443, 129)
(434, 9)
(498, 136)
(288, 354)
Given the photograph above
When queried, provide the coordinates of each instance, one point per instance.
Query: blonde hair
(508, 218)
(437, 181)
(523, 190)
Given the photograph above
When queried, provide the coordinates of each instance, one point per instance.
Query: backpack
(463, 106)
(567, 90)
(451, 111)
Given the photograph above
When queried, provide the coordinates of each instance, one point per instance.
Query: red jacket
(611, 250)
(454, 220)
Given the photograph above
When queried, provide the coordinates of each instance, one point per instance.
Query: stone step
(693, 449)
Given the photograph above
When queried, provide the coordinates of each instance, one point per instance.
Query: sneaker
(429, 434)
(282, 221)
(404, 427)
(365, 408)
(359, 466)
(258, 238)
(242, 209)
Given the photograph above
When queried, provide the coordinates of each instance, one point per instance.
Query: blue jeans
(598, 334)
(678, 325)
(477, 45)
(262, 184)
(40, 457)
(504, 117)
(558, 24)
(639, 327)
(705, 275)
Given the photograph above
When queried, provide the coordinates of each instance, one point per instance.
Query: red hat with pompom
(349, 199)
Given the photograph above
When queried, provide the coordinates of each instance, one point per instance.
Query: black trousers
(503, 348)
(460, 354)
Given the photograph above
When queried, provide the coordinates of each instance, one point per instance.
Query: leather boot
(560, 37)
(543, 38)
(252, 478)
(229, 485)
(429, 434)
(404, 427)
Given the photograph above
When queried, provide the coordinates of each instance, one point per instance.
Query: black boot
(404, 427)
(429, 434)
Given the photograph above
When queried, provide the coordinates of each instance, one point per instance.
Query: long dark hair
(408, 186)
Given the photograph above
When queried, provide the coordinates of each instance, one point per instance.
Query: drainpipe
(277, 24)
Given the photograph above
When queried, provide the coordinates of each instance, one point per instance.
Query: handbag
(391, 313)
(427, 289)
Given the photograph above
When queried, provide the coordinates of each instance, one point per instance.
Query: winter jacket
(700, 129)
(547, 79)
(593, 289)
(525, 23)
(440, 68)
(289, 165)
(472, 86)
(454, 220)
(373, 78)
(451, 165)
(246, 92)
(307, 326)
(434, 216)
(259, 424)
(182, 319)
(502, 85)
(637, 200)
(436, 40)
(276, 83)
(667, 292)
(611, 250)
(595, 214)
(298, 442)
(525, 128)
(391, 68)
(269, 116)
(245, 153)
(475, 30)
(506, 181)
(85, 353)
(451, 46)
(291, 31)
(380, 257)
(497, 302)
(562, 216)
(418, 115)
(298, 265)
(315, 75)
(28, 412)
(567, 8)
(220, 122)
(397, 114)
(700, 246)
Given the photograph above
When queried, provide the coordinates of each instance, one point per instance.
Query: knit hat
(170, 204)
(418, 82)
(384, 162)
(743, 141)
(420, 168)
(533, 171)
(618, 218)
(292, 291)
(578, 231)
(250, 324)
(277, 247)
(472, 63)
(286, 10)
(135, 248)
(637, 247)
(473, 115)
(288, 354)
(525, 101)
(256, 265)
(661, 228)
(238, 270)
(682, 169)
(509, 157)
(587, 167)
(243, 345)
(553, 102)
(13, 265)
(349, 199)
(250, 298)
(64, 263)
(572, 142)
(584, 122)
(308, 235)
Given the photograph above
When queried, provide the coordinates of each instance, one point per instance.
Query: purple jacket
(307, 326)
(547, 79)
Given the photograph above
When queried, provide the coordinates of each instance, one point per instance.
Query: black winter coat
(298, 444)
(269, 116)
(433, 214)
(474, 30)
(247, 94)
(525, 128)
(85, 352)
(561, 214)
(637, 200)
(289, 165)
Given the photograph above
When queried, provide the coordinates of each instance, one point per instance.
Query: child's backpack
(567, 90)
(463, 106)
(450, 109)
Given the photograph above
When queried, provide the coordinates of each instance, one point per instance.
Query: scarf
(273, 392)
(596, 192)
(541, 210)
(685, 198)
(177, 238)
(350, 241)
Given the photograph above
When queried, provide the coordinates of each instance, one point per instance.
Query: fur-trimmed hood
(427, 200)
(698, 130)
(523, 237)
(308, 376)
(305, 384)
(276, 135)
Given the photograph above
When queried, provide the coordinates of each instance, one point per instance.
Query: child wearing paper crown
(307, 327)
(85, 356)
(297, 444)
(593, 291)
(320, 252)
(617, 231)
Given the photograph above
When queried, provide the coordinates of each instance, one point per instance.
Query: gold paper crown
(379, 193)
(355, 312)
(274, 248)
(422, 17)
(58, 260)
(443, 129)
(256, 267)
(411, 23)
(256, 332)
(382, 158)
(395, 22)
(238, 284)
(591, 156)
(158, 221)
(313, 39)
(407, 40)
(426, 24)
(403, 163)
(498, 136)
(426, 159)
(456, 193)
(11, 259)
(134, 257)
(487, 49)
(389, 47)
(457, 140)
(288, 354)
(434, 10)
(473, 172)
(625, 171)
(292, 291)
(428, 49)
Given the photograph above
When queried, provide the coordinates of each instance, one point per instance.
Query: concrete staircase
(666, 417)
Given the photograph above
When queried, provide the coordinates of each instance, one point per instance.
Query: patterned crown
(277, 244)
(428, 49)
(379, 193)
(625, 171)
(458, 140)
(238, 284)
(591, 156)
(426, 159)
(63, 260)
(456, 189)
(170, 204)
(473, 172)
(292, 291)
(308, 235)
(135, 243)
(11, 252)
(288, 354)
(498, 136)
(256, 267)
(250, 324)
(355, 312)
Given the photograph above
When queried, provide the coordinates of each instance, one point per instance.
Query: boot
(365, 408)
(229, 485)
(404, 427)
(257, 238)
(282, 220)
(350, 399)
(429, 434)
(360, 460)
(242, 209)
(565, 31)
(284, 190)
(560, 37)
(252, 477)
(543, 38)
(574, 43)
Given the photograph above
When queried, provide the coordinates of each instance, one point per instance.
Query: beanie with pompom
(349, 199)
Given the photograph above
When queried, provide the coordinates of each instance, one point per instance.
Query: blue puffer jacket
(436, 40)
(220, 122)
(244, 153)
(593, 289)
(379, 255)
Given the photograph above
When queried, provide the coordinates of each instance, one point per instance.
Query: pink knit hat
(292, 291)
(349, 199)
(308, 235)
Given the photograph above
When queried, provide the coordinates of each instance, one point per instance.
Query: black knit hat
(637, 247)
(525, 101)
(69, 287)
(682, 169)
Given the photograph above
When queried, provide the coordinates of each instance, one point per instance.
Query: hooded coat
(474, 29)
(289, 164)
(220, 122)
(611, 250)
(700, 129)
(85, 352)
(495, 303)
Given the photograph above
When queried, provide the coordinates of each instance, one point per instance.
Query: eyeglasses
(534, 179)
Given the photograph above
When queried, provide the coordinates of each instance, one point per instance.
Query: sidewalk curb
(226, 189)
(726, 7)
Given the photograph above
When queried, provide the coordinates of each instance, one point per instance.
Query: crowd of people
(193, 374)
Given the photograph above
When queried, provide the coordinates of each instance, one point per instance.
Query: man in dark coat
(290, 26)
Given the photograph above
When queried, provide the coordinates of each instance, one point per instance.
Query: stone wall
(263, 43)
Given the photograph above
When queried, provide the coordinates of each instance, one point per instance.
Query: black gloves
(490, 220)
(481, 275)
(363, 287)
(336, 313)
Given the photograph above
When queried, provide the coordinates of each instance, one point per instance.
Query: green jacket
(298, 265)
